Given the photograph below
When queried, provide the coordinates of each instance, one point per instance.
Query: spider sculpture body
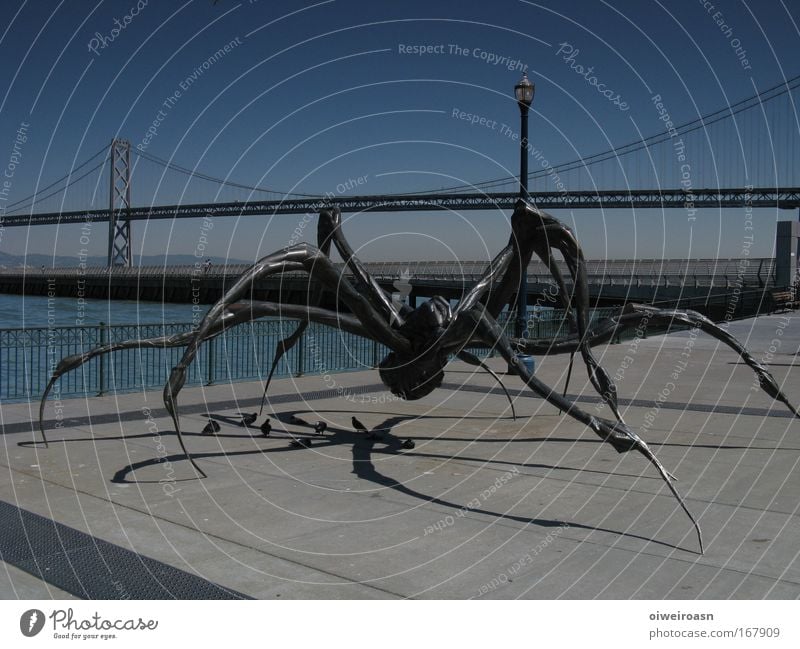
(422, 340)
(416, 374)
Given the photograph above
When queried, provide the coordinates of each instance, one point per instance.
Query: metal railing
(28, 356)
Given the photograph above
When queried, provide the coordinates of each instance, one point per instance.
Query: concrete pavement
(482, 506)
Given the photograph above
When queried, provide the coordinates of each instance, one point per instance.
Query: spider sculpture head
(422, 340)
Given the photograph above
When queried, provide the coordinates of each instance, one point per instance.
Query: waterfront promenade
(482, 506)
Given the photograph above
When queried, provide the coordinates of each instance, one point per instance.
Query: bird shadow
(292, 419)
(228, 419)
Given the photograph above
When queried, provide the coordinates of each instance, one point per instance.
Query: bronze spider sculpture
(422, 340)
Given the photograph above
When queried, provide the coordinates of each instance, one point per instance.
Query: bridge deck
(700, 271)
(742, 284)
(771, 197)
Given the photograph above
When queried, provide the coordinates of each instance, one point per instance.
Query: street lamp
(523, 92)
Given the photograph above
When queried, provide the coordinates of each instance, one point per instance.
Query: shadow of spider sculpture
(422, 340)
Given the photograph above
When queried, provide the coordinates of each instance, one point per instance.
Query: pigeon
(248, 418)
(211, 427)
(361, 428)
(320, 427)
(409, 444)
(266, 427)
(296, 421)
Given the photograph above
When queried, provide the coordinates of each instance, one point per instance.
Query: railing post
(301, 348)
(101, 373)
(374, 353)
(210, 363)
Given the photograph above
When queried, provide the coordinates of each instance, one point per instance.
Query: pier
(352, 517)
(707, 285)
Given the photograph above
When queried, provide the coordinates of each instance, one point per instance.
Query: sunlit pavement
(481, 506)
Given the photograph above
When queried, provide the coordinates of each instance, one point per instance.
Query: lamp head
(524, 91)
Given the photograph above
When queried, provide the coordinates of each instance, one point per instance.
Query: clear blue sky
(311, 95)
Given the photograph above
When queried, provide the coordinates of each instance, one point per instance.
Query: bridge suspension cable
(704, 121)
(203, 176)
(70, 176)
(87, 168)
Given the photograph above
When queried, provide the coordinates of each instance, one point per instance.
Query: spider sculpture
(422, 340)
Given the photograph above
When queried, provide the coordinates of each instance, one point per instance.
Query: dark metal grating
(91, 568)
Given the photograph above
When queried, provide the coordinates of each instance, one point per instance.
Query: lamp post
(523, 92)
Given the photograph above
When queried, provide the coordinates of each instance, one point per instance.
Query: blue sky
(311, 95)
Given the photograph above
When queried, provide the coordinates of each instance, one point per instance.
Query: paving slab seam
(586, 440)
(317, 395)
(636, 403)
(188, 409)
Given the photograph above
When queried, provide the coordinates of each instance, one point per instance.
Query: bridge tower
(119, 225)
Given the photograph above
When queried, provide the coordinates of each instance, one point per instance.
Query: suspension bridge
(740, 156)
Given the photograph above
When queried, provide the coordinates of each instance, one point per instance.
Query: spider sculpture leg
(543, 252)
(533, 231)
(637, 315)
(573, 255)
(542, 249)
(329, 230)
(330, 227)
(299, 257)
(471, 359)
(283, 346)
(618, 434)
(236, 314)
(454, 337)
